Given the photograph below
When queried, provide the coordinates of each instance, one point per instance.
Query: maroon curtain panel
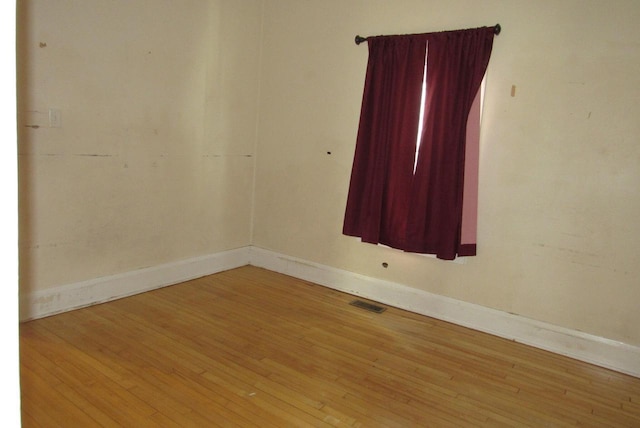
(388, 203)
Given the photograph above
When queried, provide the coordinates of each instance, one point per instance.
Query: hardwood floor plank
(163, 372)
(48, 407)
(249, 347)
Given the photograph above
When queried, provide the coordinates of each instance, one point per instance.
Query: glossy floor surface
(249, 347)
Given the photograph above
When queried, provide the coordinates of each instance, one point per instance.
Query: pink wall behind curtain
(471, 167)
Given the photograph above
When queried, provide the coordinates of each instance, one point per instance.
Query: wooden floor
(249, 347)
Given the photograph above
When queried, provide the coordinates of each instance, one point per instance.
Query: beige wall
(160, 101)
(559, 174)
(154, 160)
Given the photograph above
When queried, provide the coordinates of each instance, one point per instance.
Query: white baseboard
(73, 296)
(596, 350)
(593, 349)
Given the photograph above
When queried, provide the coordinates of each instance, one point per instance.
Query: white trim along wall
(600, 351)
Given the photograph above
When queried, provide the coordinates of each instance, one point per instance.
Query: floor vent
(368, 306)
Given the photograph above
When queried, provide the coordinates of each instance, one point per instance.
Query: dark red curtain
(388, 203)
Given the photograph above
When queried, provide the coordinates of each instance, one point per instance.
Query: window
(408, 195)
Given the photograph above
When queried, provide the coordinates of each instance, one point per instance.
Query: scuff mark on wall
(93, 155)
(228, 156)
(45, 300)
(566, 250)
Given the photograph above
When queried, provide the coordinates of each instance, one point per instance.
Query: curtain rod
(496, 30)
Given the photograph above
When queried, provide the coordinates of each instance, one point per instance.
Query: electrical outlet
(55, 118)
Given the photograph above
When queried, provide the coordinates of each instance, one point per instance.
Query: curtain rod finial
(497, 29)
(360, 39)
